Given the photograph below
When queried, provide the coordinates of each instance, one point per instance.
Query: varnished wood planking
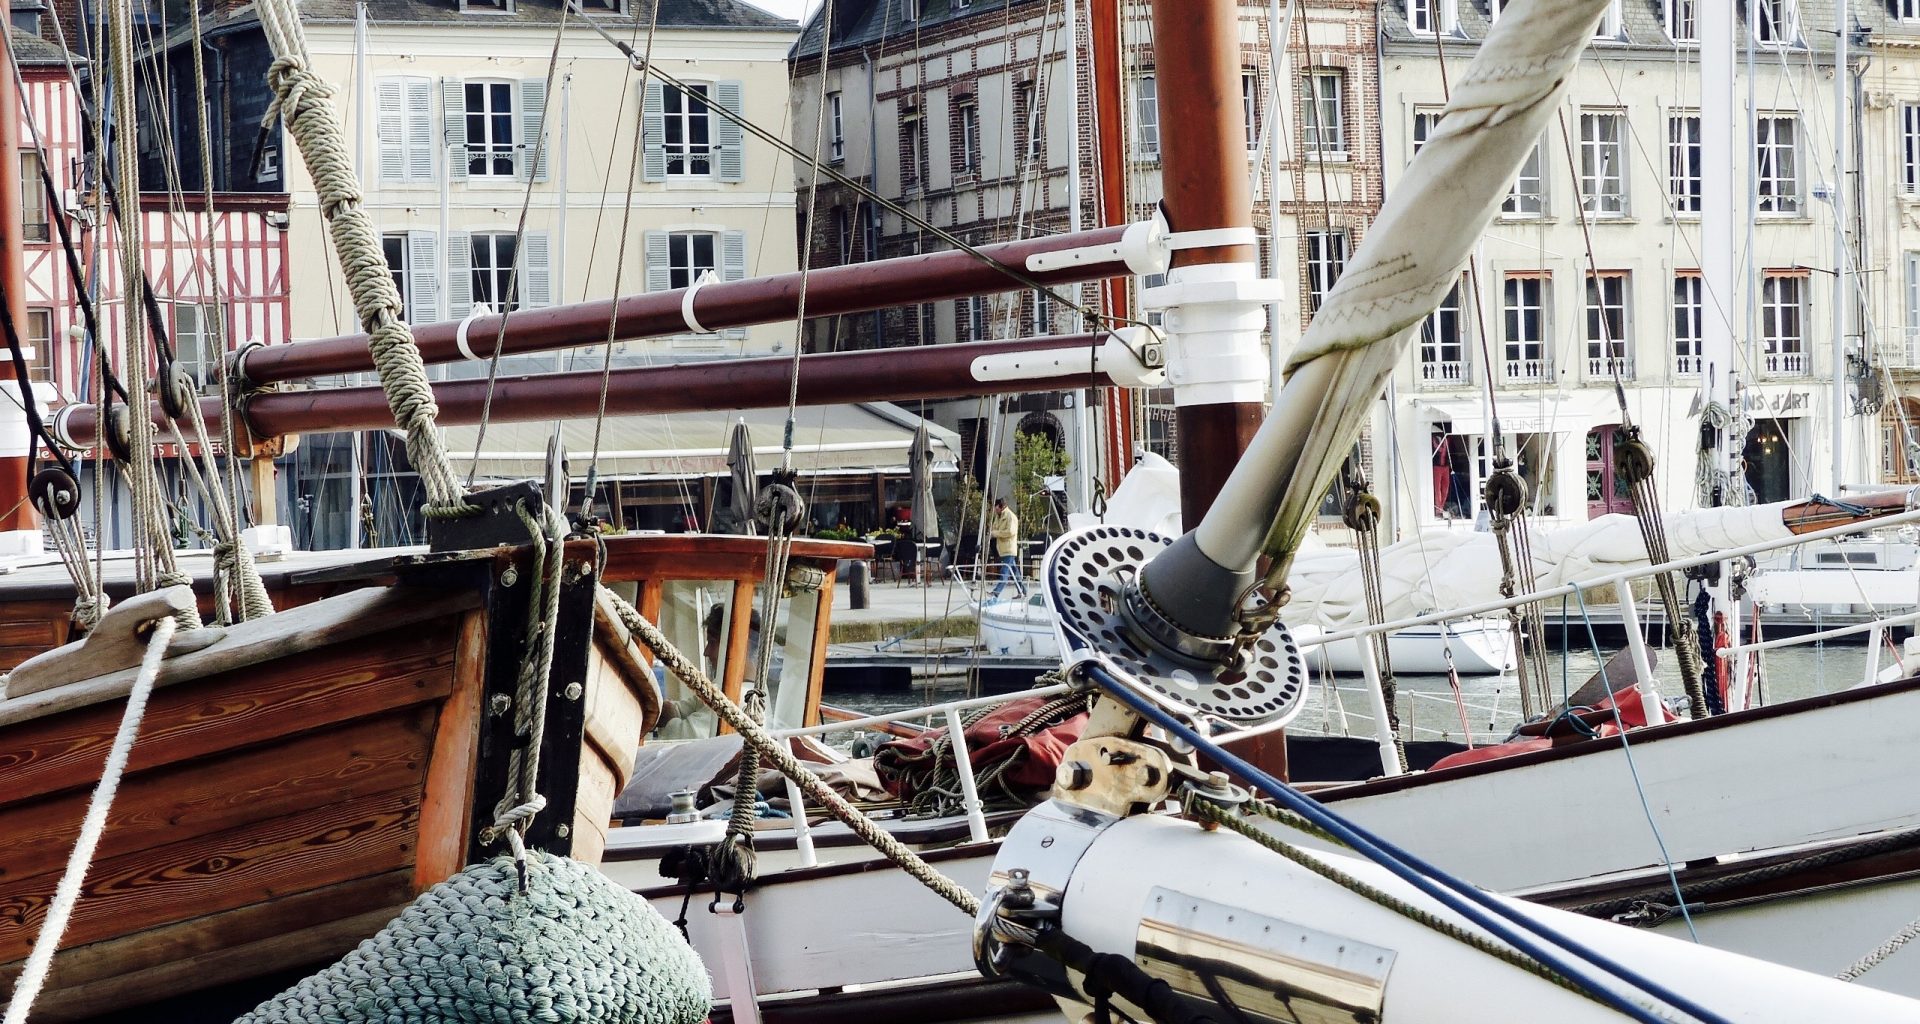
(286, 697)
(125, 960)
(33, 629)
(447, 803)
(168, 805)
(251, 864)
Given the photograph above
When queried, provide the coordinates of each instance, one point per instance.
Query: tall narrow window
(490, 129)
(492, 270)
(842, 235)
(1250, 106)
(967, 146)
(1528, 197)
(1028, 126)
(33, 199)
(1679, 21)
(1603, 163)
(1910, 145)
(690, 254)
(1912, 347)
(1326, 258)
(688, 128)
(1607, 326)
(40, 339)
(1042, 311)
(1684, 162)
(1775, 22)
(1443, 342)
(913, 148)
(1777, 165)
(195, 344)
(1688, 322)
(394, 248)
(1524, 337)
(1783, 318)
(972, 314)
(1425, 120)
(1325, 119)
(837, 137)
(1146, 117)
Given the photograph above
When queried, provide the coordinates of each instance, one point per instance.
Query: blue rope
(1666, 859)
(1469, 902)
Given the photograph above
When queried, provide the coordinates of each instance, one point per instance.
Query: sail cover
(874, 436)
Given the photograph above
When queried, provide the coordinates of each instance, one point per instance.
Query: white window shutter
(733, 267)
(459, 275)
(729, 158)
(453, 113)
(653, 129)
(390, 129)
(535, 269)
(659, 273)
(423, 277)
(419, 129)
(533, 116)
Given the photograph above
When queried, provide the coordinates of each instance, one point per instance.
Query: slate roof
(859, 22)
(1643, 22)
(679, 14)
(32, 51)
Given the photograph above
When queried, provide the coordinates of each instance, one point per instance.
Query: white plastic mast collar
(460, 333)
(1215, 314)
(686, 302)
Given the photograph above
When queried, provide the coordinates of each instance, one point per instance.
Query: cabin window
(696, 615)
(1608, 351)
(790, 671)
(1684, 162)
(1523, 312)
(836, 129)
(34, 225)
(1146, 117)
(1777, 165)
(1678, 15)
(1326, 258)
(1783, 318)
(1528, 196)
(1443, 341)
(489, 118)
(1603, 163)
(1325, 118)
(1689, 323)
(40, 340)
(494, 282)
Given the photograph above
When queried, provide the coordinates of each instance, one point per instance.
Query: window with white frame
(1908, 10)
(1910, 146)
(1610, 28)
(196, 343)
(1250, 106)
(1146, 117)
(1427, 17)
(1443, 341)
(842, 236)
(491, 270)
(688, 130)
(1775, 22)
(1495, 8)
(1603, 163)
(971, 316)
(394, 248)
(490, 129)
(1783, 317)
(1042, 311)
(1028, 125)
(690, 255)
(1689, 323)
(966, 154)
(40, 339)
(913, 148)
(1326, 258)
(1607, 348)
(870, 230)
(1528, 196)
(34, 225)
(1523, 310)
(1684, 162)
(837, 135)
(1679, 19)
(1425, 120)
(1325, 120)
(1777, 165)
(1910, 352)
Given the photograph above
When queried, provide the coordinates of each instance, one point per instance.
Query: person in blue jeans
(1005, 528)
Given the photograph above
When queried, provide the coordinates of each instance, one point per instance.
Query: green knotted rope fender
(575, 947)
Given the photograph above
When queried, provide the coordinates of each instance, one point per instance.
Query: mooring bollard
(859, 574)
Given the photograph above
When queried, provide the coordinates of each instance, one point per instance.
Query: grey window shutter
(729, 159)
(733, 267)
(423, 277)
(533, 115)
(535, 269)
(390, 129)
(653, 128)
(419, 128)
(453, 114)
(659, 274)
(459, 275)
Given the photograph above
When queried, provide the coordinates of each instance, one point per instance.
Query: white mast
(1081, 473)
(1841, 292)
(1719, 305)
(362, 105)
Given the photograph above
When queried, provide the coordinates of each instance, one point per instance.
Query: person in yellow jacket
(1005, 527)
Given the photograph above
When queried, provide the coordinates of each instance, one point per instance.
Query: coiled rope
(303, 101)
(776, 753)
(33, 976)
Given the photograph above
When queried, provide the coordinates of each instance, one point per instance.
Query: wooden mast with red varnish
(16, 513)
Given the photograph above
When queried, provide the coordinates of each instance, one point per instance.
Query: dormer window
(1610, 29)
(1428, 17)
(1680, 21)
(486, 6)
(1776, 23)
(604, 6)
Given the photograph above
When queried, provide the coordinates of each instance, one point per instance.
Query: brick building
(977, 116)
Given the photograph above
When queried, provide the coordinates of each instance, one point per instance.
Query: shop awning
(835, 438)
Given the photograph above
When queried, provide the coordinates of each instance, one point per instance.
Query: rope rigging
(1361, 512)
(1505, 497)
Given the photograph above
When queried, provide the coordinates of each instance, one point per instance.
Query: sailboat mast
(1109, 87)
(15, 452)
(1718, 246)
(1204, 181)
(1842, 133)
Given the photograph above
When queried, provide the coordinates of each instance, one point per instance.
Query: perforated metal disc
(1086, 574)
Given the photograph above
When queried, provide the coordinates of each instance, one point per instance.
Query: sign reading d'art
(1779, 403)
